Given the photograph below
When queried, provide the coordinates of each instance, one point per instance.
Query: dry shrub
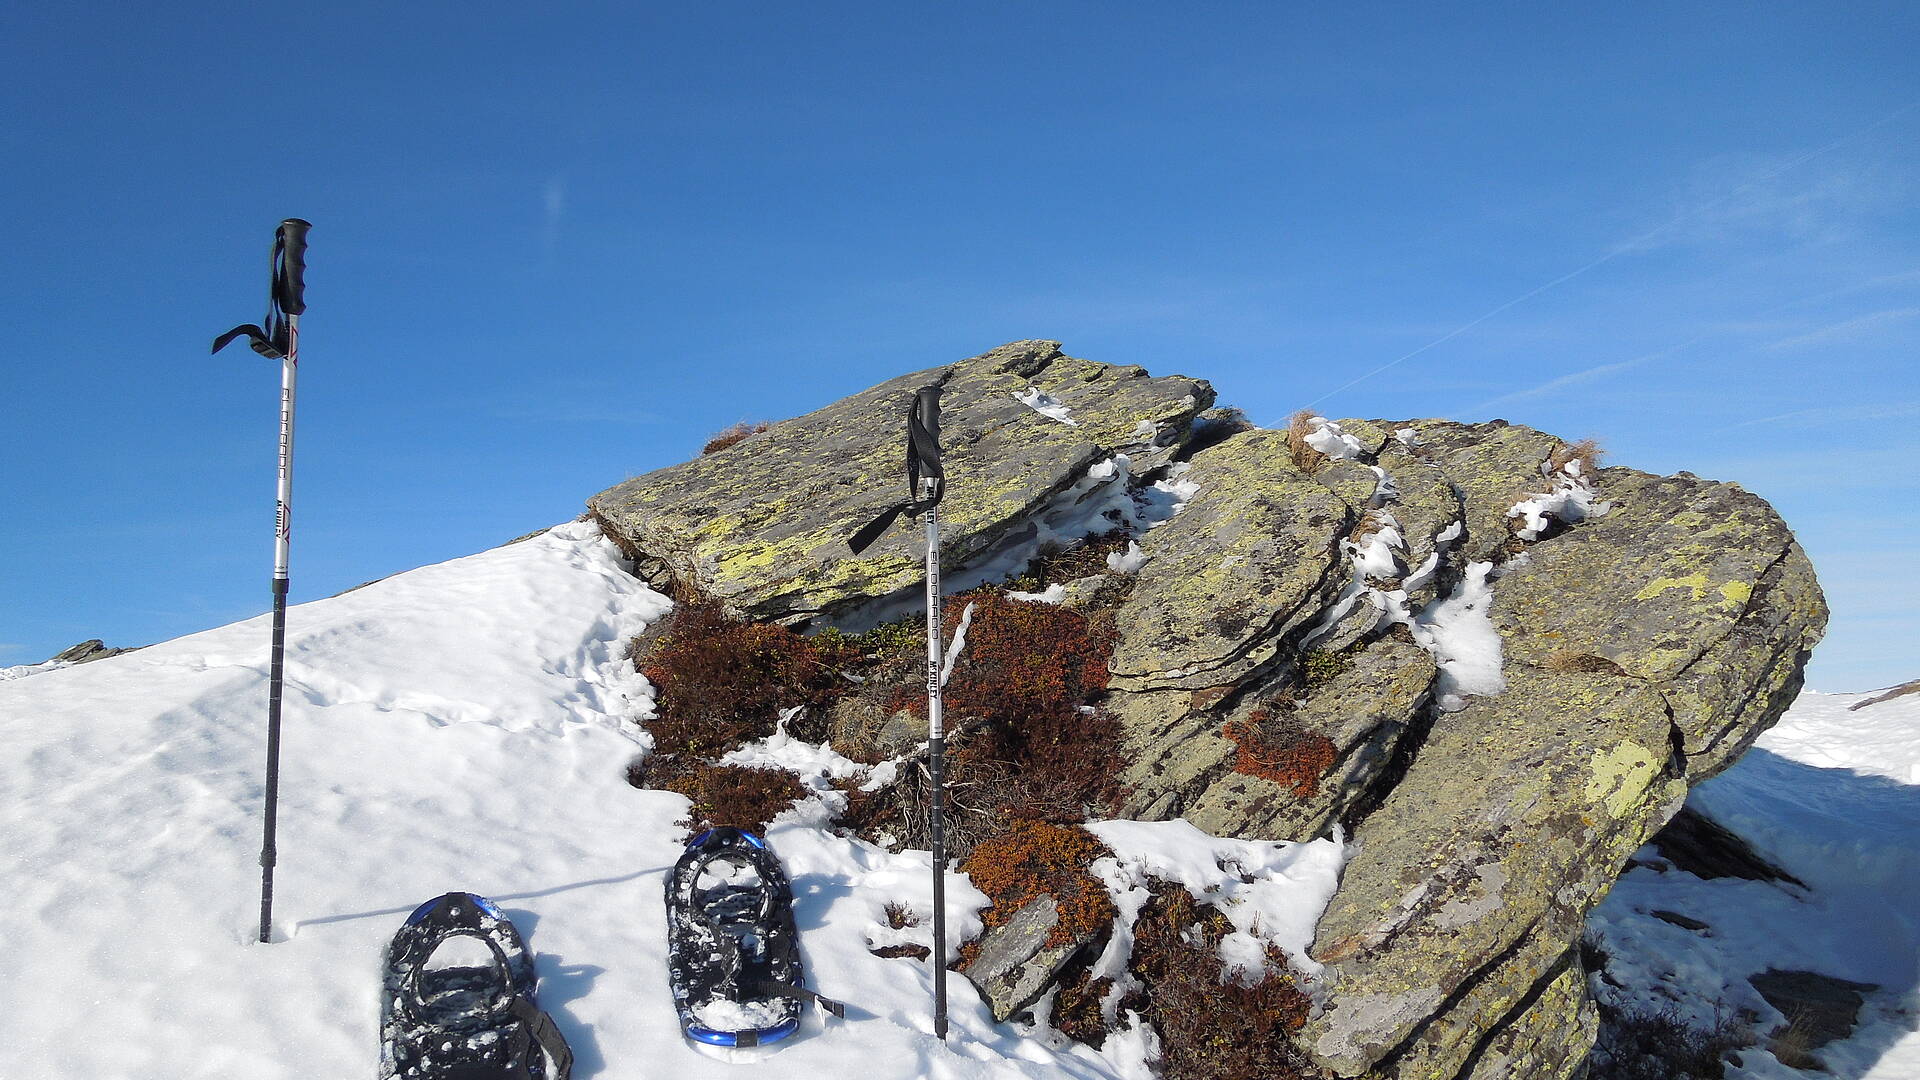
(1369, 524)
(720, 682)
(1274, 748)
(1028, 670)
(1305, 458)
(1031, 859)
(1213, 1024)
(1077, 1001)
(736, 795)
(733, 435)
(899, 917)
(1062, 564)
(1664, 1045)
(1587, 452)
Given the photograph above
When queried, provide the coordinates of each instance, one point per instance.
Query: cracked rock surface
(762, 526)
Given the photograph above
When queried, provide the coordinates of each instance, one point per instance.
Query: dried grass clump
(1587, 452)
(1305, 457)
(1057, 564)
(1031, 859)
(734, 435)
(1279, 750)
(1213, 1024)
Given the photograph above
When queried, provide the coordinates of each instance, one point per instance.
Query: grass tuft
(733, 436)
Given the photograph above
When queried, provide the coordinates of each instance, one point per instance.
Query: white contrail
(1630, 245)
(1588, 375)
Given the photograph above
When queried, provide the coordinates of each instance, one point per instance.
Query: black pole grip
(293, 278)
(927, 407)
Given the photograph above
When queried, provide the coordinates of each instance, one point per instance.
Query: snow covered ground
(1833, 797)
(461, 726)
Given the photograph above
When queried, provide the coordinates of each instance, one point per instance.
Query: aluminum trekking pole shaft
(283, 510)
(936, 758)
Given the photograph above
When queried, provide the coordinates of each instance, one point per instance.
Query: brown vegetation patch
(720, 682)
(1077, 1001)
(1213, 1024)
(733, 435)
(735, 795)
(1031, 859)
(1305, 457)
(1274, 748)
(1023, 744)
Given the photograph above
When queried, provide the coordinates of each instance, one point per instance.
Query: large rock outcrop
(762, 525)
(1497, 666)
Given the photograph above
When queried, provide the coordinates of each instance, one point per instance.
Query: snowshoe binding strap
(923, 465)
(775, 988)
(285, 296)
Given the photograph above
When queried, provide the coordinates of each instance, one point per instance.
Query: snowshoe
(733, 955)
(464, 1021)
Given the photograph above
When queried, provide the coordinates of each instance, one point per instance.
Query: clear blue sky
(557, 247)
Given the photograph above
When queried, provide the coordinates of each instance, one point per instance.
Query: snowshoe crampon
(733, 953)
(457, 999)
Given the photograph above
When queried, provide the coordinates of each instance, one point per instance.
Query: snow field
(461, 726)
(1828, 795)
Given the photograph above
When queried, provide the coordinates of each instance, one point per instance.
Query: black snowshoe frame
(464, 1023)
(735, 943)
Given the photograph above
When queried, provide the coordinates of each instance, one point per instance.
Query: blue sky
(557, 248)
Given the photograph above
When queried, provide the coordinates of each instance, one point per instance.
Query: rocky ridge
(1496, 666)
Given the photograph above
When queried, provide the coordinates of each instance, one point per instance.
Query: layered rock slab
(1697, 587)
(762, 525)
(1513, 819)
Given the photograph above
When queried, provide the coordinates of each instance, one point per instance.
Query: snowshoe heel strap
(540, 1027)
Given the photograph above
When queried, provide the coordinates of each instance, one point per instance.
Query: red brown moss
(1030, 859)
(1275, 750)
(735, 795)
(720, 682)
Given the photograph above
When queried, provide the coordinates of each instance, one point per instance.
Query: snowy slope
(1833, 797)
(461, 726)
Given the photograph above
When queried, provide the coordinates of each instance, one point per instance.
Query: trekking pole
(278, 340)
(936, 743)
(926, 484)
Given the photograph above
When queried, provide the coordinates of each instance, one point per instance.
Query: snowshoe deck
(733, 951)
(464, 1021)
